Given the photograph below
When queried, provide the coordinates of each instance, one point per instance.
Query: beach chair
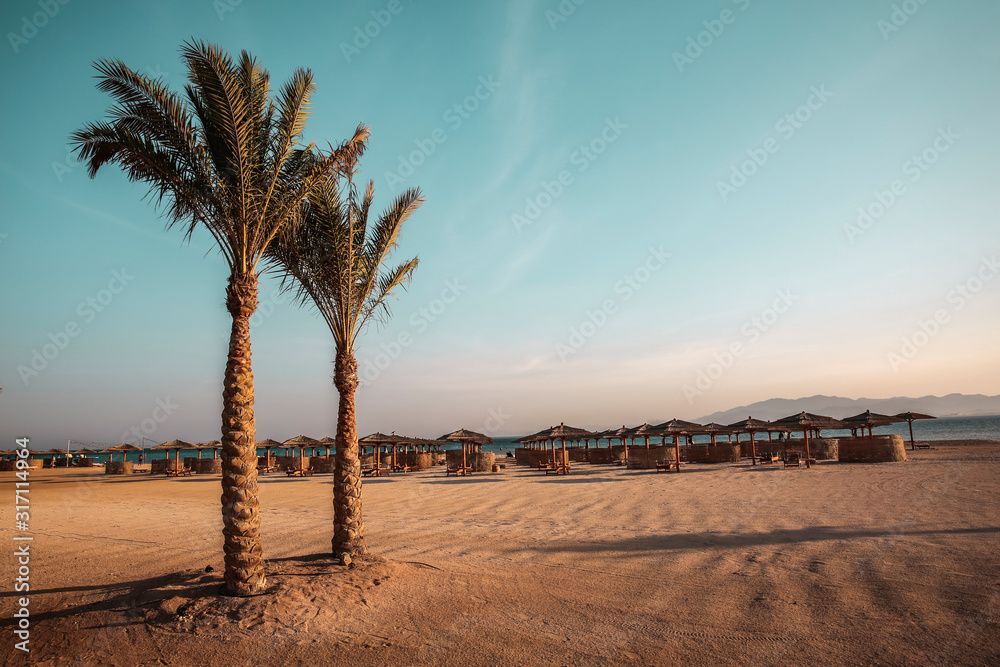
(792, 460)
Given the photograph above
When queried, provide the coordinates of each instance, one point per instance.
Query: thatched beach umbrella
(806, 422)
(713, 430)
(214, 445)
(328, 443)
(300, 441)
(620, 434)
(677, 428)
(646, 432)
(908, 417)
(124, 448)
(751, 426)
(534, 438)
(376, 441)
(868, 420)
(267, 446)
(466, 438)
(177, 445)
(563, 432)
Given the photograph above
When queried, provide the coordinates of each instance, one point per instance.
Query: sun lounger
(376, 472)
(792, 460)
(177, 472)
(922, 445)
(557, 469)
(458, 470)
(300, 472)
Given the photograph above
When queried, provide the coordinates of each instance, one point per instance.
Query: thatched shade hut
(376, 441)
(124, 448)
(214, 445)
(328, 443)
(676, 428)
(467, 439)
(868, 420)
(300, 441)
(267, 446)
(908, 417)
(53, 454)
(751, 426)
(621, 434)
(125, 466)
(646, 432)
(563, 433)
(807, 422)
(177, 446)
(85, 455)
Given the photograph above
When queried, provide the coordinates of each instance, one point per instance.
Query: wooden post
(807, 446)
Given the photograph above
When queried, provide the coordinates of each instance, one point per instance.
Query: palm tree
(227, 158)
(337, 263)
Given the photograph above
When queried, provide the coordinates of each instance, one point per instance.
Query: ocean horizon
(944, 428)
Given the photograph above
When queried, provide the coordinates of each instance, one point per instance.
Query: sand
(895, 563)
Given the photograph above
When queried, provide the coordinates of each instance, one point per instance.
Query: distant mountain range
(952, 405)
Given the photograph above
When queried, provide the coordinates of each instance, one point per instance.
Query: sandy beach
(894, 563)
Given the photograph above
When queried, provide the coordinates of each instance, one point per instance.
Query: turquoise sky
(635, 211)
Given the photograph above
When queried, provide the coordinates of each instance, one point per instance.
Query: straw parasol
(300, 441)
(675, 428)
(214, 445)
(177, 445)
(124, 448)
(267, 445)
(376, 441)
(620, 433)
(908, 417)
(466, 438)
(563, 432)
(646, 431)
(806, 422)
(329, 443)
(868, 420)
(713, 430)
(751, 426)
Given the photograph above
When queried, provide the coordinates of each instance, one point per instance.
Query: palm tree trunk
(348, 522)
(240, 507)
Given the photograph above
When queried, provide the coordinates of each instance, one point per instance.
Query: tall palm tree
(228, 158)
(337, 263)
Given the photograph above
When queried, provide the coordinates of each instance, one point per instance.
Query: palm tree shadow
(132, 597)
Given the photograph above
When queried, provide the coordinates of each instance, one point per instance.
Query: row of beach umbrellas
(675, 429)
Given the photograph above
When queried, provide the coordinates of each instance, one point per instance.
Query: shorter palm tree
(337, 262)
